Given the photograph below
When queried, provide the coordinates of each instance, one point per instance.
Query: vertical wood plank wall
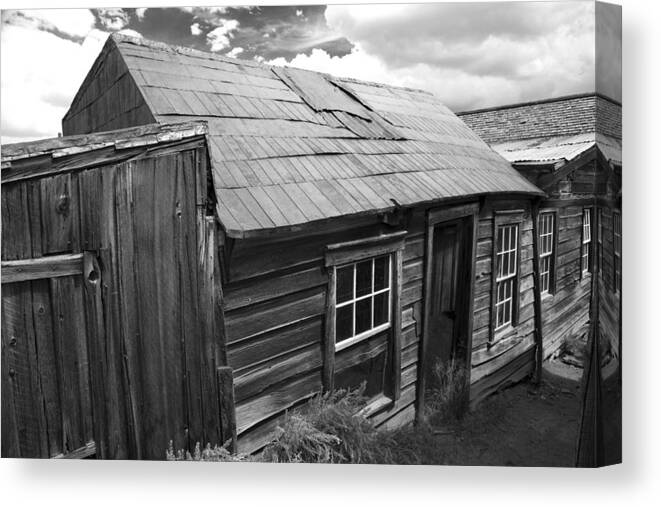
(109, 98)
(152, 375)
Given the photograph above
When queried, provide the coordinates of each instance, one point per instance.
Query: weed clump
(209, 453)
(447, 397)
(328, 429)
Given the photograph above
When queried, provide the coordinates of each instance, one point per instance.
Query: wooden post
(226, 406)
(397, 326)
(329, 335)
(539, 335)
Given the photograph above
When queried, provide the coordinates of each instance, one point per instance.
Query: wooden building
(303, 233)
(571, 148)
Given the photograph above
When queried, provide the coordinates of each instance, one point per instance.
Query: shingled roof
(551, 130)
(290, 147)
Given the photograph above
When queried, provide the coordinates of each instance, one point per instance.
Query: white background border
(637, 482)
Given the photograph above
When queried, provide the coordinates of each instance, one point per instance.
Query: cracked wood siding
(275, 312)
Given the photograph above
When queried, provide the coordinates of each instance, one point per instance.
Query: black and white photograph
(344, 234)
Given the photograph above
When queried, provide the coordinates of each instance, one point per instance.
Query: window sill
(376, 405)
(361, 337)
(502, 334)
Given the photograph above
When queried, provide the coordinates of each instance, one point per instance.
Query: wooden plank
(42, 267)
(26, 425)
(245, 354)
(276, 400)
(89, 184)
(49, 377)
(227, 407)
(270, 315)
(95, 327)
(265, 375)
(262, 289)
(58, 202)
(71, 348)
(16, 230)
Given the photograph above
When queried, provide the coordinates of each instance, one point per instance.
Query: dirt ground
(523, 425)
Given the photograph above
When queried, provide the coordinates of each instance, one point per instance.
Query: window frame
(617, 254)
(552, 254)
(338, 255)
(505, 218)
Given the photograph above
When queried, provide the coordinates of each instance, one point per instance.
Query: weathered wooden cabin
(570, 147)
(311, 233)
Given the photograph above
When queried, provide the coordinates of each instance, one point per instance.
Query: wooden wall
(566, 312)
(509, 358)
(139, 368)
(108, 99)
(609, 298)
(275, 309)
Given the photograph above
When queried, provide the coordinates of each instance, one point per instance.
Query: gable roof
(553, 130)
(291, 146)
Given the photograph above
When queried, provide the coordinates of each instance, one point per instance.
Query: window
(617, 250)
(506, 273)
(546, 261)
(362, 299)
(586, 243)
(363, 316)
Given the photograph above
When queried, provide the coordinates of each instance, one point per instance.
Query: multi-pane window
(617, 250)
(586, 241)
(363, 301)
(546, 230)
(506, 274)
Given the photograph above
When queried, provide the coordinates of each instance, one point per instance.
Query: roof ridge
(540, 101)
(164, 46)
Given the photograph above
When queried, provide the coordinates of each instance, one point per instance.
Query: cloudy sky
(470, 54)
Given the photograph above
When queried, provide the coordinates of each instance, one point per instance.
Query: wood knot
(62, 206)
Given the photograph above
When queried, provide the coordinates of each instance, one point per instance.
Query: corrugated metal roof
(289, 147)
(559, 148)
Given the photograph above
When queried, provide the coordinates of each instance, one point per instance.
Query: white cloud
(219, 37)
(195, 29)
(299, 13)
(113, 19)
(73, 22)
(130, 32)
(36, 96)
(140, 12)
(471, 54)
(234, 52)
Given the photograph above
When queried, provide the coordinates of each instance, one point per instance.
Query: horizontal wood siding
(275, 311)
(510, 357)
(566, 312)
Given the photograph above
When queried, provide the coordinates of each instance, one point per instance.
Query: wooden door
(48, 313)
(448, 296)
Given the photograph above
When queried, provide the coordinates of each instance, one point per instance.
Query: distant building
(570, 147)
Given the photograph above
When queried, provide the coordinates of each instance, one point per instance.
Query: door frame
(436, 216)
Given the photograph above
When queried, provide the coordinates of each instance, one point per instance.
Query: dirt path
(521, 426)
